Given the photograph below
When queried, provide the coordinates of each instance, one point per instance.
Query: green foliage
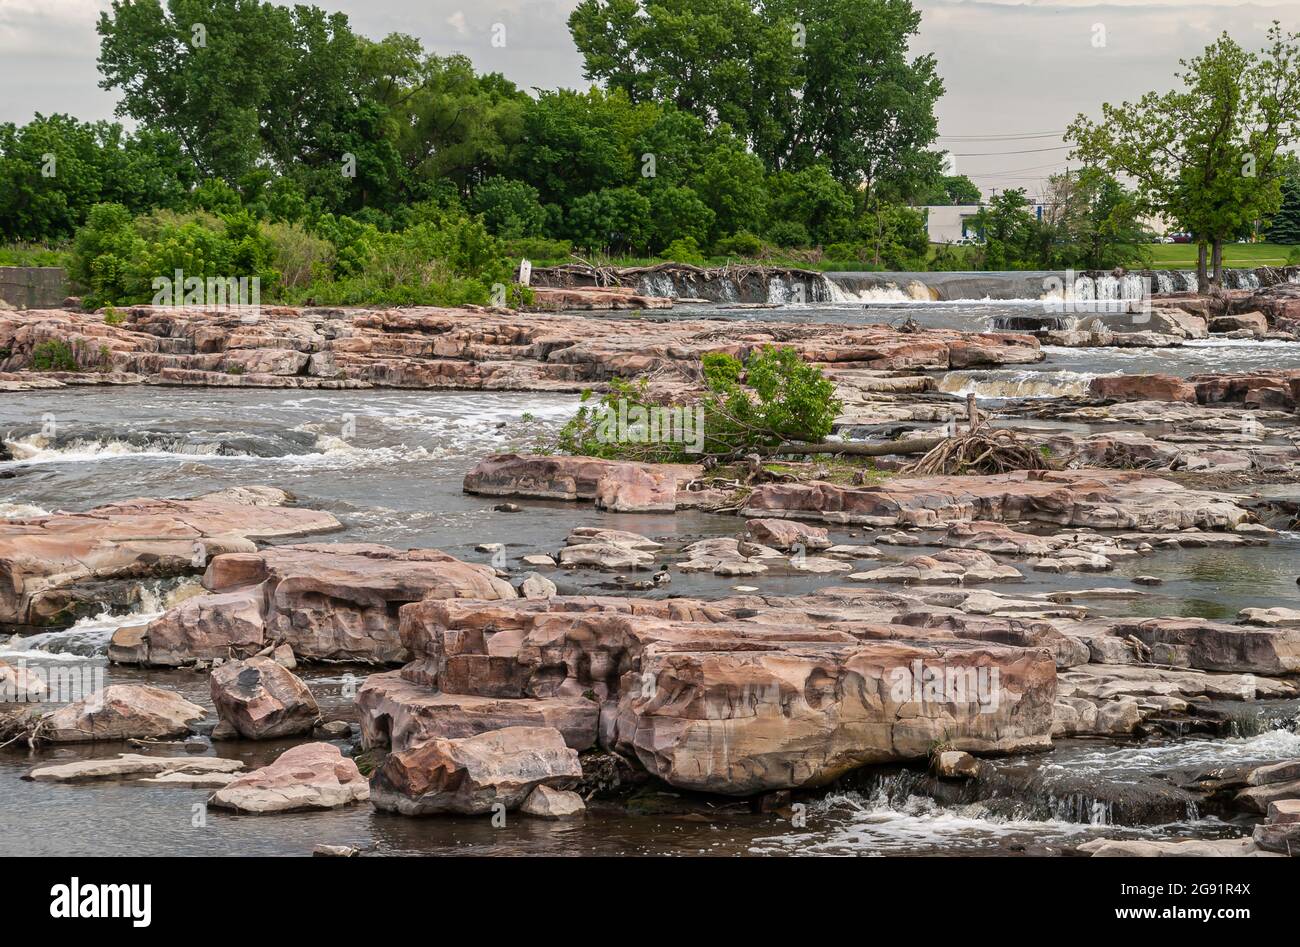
(509, 208)
(54, 169)
(54, 355)
(771, 398)
(676, 215)
(802, 83)
(613, 220)
(739, 245)
(1284, 228)
(1210, 155)
(684, 250)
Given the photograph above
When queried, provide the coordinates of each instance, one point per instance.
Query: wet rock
(1259, 798)
(474, 775)
(130, 766)
(283, 655)
(950, 567)
(583, 535)
(263, 700)
(18, 684)
(1270, 617)
(1284, 839)
(1143, 388)
(335, 851)
(1284, 812)
(605, 555)
(1098, 499)
(203, 628)
(1288, 771)
(1147, 580)
(1252, 322)
(309, 776)
(328, 602)
(997, 538)
(1192, 848)
(45, 558)
(612, 485)
(547, 803)
(400, 714)
(722, 557)
(121, 712)
(951, 764)
(1217, 646)
(538, 560)
(786, 535)
(332, 730)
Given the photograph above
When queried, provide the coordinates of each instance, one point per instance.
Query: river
(389, 465)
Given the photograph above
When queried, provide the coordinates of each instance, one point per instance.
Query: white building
(953, 223)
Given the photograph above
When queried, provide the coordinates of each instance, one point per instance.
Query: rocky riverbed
(378, 619)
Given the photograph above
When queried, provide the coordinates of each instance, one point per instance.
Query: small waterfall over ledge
(792, 286)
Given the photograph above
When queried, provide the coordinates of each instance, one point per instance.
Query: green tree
(235, 81)
(803, 82)
(613, 219)
(1284, 228)
(1206, 155)
(676, 213)
(509, 208)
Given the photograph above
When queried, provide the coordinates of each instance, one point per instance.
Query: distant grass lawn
(1182, 256)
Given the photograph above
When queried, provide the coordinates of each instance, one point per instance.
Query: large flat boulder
(474, 775)
(45, 561)
(617, 486)
(310, 776)
(121, 712)
(710, 702)
(1143, 388)
(1096, 499)
(399, 714)
(131, 766)
(328, 601)
(1217, 646)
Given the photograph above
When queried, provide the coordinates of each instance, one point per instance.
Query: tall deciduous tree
(1207, 155)
(804, 82)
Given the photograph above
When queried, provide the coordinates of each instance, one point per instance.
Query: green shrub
(740, 244)
(509, 208)
(54, 355)
(683, 250)
(772, 397)
(789, 234)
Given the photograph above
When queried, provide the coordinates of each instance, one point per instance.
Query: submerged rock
(132, 766)
(547, 803)
(1098, 499)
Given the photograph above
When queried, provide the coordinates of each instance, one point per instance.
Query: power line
(1000, 137)
(1026, 151)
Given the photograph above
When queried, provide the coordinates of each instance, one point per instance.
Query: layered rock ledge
(52, 568)
(468, 348)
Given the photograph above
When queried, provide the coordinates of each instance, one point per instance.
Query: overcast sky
(1011, 67)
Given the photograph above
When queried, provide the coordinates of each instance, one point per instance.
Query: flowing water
(389, 465)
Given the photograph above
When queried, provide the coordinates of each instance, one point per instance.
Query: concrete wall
(33, 287)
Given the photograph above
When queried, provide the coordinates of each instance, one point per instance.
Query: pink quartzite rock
(121, 712)
(310, 776)
(263, 700)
